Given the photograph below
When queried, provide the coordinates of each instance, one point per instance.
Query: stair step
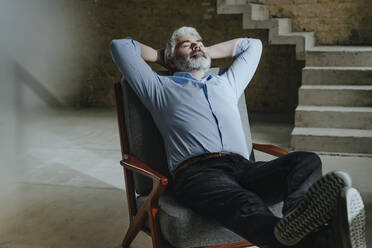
(254, 10)
(224, 8)
(257, 16)
(295, 37)
(302, 40)
(341, 49)
(332, 140)
(336, 95)
(280, 25)
(334, 117)
(284, 25)
(237, 2)
(339, 56)
(337, 75)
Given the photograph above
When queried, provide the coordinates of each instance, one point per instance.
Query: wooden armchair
(151, 208)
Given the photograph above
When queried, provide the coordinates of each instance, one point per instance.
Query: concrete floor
(66, 187)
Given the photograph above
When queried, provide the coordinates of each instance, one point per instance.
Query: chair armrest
(270, 149)
(134, 164)
(150, 207)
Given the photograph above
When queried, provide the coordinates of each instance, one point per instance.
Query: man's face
(191, 55)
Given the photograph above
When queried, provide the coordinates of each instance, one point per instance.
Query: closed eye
(187, 43)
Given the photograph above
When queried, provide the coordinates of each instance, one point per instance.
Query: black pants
(236, 192)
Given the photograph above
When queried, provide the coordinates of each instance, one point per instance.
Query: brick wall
(274, 88)
(336, 22)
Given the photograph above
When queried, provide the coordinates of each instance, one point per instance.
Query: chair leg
(157, 240)
(130, 235)
(134, 227)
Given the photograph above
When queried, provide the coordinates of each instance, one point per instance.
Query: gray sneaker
(349, 221)
(315, 210)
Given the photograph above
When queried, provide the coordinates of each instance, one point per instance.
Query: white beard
(192, 64)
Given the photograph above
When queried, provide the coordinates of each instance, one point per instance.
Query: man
(198, 118)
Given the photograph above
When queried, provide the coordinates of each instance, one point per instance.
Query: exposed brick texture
(336, 22)
(274, 88)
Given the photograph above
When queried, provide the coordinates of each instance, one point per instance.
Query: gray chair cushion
(183, 228)
(144, 139)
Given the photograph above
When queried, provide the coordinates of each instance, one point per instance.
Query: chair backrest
(144, 140)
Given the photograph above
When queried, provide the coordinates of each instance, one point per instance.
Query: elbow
(115, 44)
(124, 46)
(112, 46)
(119, 47)
(258, 44)
(254, 44)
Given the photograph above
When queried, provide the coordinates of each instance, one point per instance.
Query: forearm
(149, 54)
(224, 49)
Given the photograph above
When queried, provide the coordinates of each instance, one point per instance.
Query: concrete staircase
(334, 113)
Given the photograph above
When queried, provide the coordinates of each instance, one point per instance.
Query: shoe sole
(356, 218)
(315, 210)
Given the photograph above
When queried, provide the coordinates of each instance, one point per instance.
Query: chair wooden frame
(150, 207)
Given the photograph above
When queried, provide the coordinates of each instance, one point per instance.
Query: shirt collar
(188, 75)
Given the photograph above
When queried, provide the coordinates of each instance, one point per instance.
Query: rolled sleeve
(247, 57)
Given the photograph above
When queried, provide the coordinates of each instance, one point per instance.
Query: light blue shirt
(193, 116)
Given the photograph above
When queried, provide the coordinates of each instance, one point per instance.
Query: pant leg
(210, 189)
(285, 178)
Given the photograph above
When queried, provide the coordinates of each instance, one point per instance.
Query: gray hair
(171, 44)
